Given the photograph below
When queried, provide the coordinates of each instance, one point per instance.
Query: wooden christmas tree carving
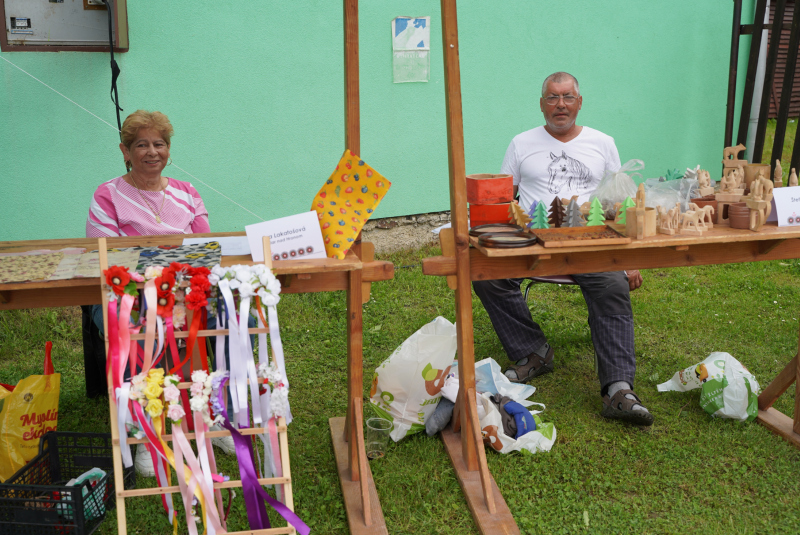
(628, 203)
(573, 216)
(596, 214)
(540, 217)
(556, 218)
(517, 215)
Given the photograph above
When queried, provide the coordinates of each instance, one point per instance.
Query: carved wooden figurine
(730, 159)
(759, 202)
(732, 153)
(517, 215)
(704, 183)
(689, 223)
(778, 174)
(556, 212)
(792, 178)
(639, 220)
(705, 212)
(664, 223)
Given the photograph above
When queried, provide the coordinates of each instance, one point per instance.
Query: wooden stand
(121, 494)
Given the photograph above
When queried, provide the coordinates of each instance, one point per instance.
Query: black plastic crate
(36, 499)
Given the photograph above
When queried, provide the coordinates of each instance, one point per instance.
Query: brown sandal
(534, 366)
(620, 407)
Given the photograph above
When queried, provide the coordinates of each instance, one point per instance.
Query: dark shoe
(620, 407)
(531, 366)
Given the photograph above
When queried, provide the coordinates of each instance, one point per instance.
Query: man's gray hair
(558, 77)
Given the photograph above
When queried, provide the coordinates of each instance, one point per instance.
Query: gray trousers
(607, 297)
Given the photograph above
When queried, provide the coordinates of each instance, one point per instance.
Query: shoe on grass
(626, 406)
(531, 366)
(144, 462)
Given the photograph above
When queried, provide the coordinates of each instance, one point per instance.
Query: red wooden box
(484, 214)
(489, 189)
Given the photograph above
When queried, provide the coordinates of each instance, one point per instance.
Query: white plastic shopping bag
(407, 386)
(728, 389)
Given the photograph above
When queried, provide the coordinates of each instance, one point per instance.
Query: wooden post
(458, 213)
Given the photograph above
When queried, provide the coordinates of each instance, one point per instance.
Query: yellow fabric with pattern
(346, 201)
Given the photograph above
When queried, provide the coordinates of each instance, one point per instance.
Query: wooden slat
(209, 434)
(351, 490)
(233, 484)
(786, 90)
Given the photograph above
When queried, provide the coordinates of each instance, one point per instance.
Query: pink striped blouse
(117, 209)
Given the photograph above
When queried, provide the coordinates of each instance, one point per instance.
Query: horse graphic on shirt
(565, 170)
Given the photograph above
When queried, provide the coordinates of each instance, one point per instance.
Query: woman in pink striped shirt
(142, 202)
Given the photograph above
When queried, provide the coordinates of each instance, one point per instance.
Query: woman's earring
(128, 165)
(169, 162)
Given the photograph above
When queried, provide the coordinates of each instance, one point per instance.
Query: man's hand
(634, 279)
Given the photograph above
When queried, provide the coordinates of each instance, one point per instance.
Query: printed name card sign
(786, 206)
(292, 238)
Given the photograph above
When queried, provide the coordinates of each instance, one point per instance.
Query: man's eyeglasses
(553, 99)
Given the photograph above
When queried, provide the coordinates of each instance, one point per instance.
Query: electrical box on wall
(62, 25)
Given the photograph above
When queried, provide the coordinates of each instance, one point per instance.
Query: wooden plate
(507, 240)
(577, 236)
(494, 227)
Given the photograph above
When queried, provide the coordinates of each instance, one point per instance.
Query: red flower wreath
(118, 278)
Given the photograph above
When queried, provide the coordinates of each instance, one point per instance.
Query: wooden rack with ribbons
(284, 480)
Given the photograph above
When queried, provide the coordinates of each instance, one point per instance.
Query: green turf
(687, 474)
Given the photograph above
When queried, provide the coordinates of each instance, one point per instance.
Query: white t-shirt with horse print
(544, 167)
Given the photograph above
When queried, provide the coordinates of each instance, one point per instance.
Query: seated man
(564, 159)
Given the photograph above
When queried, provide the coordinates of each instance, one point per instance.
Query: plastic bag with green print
(407, 386)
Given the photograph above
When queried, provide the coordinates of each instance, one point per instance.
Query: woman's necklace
(163, 198)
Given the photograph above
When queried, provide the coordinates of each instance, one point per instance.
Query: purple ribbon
(254, 493)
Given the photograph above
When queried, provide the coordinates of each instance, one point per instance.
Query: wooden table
(720, 245)
(353, 274)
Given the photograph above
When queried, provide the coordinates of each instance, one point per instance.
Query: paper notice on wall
(411, 49)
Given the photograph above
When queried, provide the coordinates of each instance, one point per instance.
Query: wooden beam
(786, 92)
(352, 119)
(535, 260)
(458, 212)
(765, 247)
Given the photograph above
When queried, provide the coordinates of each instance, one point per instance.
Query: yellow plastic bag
(26, 413)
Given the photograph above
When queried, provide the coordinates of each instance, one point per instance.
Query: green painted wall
(255, 91)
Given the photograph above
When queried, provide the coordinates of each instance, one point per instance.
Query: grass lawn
(687, 474)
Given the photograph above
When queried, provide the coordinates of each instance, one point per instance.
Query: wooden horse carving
(690, 219)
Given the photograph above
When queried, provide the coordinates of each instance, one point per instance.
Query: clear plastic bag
(667, 193)
(616, 186)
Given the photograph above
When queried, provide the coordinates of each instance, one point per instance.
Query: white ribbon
(123, 417)
(247, 355)
(277, 352)
(238, 376)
